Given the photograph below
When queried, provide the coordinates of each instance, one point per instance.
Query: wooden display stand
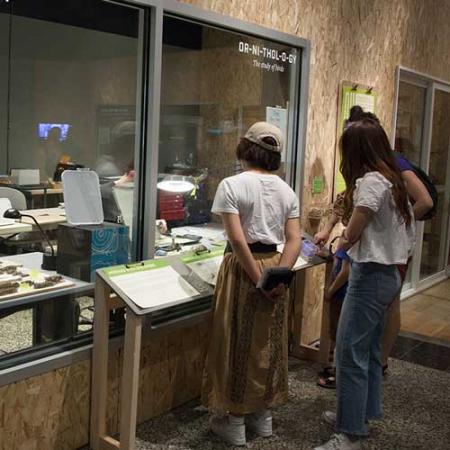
(301, 314)
(104, 303)
(106, 299)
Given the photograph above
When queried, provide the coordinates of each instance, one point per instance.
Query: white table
(48, 218)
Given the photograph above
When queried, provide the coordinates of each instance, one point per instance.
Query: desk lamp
(48, 261)
(176, 184)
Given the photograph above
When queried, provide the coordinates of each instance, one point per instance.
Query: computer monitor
(44, 129)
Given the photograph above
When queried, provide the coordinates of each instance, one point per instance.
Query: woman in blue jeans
(379, 237)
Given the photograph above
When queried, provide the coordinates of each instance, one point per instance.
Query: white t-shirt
(264, 202)
(386, 239)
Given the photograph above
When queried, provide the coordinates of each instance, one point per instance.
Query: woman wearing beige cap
(246, 366)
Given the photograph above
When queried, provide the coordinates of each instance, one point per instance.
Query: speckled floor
(16, 330)
(417, 411)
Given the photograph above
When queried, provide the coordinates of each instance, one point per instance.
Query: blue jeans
(372, 288)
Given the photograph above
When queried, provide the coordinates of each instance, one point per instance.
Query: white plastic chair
(17, 198)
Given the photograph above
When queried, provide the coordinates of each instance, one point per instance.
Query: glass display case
(215, 84)
(84, 88)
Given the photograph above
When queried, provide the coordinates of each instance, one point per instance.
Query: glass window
(73, 102)
(409, 127)
(69, 97)
(435, 232)
(215, 84)
(410, 121)
(4, 83)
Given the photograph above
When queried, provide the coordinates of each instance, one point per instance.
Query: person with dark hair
(379, 237)
(246, 365)
(422, 203)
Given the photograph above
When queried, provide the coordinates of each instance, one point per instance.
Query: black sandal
(327, 383)
(326, 372)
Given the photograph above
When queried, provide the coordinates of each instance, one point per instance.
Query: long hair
(365, 148)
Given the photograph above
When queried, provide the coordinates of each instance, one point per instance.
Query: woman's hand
(276, 293)
(328, 295)
(321, 238)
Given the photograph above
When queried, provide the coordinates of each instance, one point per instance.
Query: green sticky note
(317, 185)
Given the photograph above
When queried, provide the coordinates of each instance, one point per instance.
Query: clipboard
(154, 285)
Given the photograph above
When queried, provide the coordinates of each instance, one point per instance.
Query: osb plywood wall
(362, 41)
(52, 411)
(356, 40)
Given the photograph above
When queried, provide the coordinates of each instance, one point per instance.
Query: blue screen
(44, 129)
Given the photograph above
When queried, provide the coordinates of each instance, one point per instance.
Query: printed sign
(266, 58)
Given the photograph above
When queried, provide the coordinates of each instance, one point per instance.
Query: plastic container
(308, 250)
(82, 198)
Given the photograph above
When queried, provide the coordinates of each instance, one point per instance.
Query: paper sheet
(207, 269)
(152, 288)
(300, 261)
(213, 233)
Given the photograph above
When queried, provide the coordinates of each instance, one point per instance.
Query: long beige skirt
(247, 362)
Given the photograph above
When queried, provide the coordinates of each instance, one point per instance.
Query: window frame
(298, 108)
(32, 362)
(430, 84)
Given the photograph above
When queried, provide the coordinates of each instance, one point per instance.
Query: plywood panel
(356, 40)
(171, 370)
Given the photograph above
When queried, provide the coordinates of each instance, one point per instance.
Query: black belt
(255, 247)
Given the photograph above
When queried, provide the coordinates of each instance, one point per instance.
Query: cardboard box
(82, 249)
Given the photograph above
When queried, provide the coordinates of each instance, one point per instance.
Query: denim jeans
(372, 288)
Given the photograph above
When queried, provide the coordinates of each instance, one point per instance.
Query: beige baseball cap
(259, 130)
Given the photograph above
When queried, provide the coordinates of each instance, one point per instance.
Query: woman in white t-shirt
(246, 364)
(379, 238)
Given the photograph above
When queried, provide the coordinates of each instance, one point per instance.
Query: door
(422, 134)
(410, 140)
(435, 234)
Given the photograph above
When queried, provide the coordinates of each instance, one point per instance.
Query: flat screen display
(60, 130)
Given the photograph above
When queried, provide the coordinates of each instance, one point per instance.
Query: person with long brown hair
(379, 237)
(422, 203)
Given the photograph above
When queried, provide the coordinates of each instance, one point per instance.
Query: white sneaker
(260, 423)
(230, 428)
(340, 442)
(329, 417)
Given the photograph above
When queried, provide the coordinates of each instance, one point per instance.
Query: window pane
(434, 238)
(410, 116)
(409, 131)
(215, 84)
(73, 100)
(4, 83)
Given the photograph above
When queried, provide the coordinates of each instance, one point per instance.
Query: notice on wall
(351, 95)
(278, 117)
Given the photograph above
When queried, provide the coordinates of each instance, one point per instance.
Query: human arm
(339, 281)
(418, 193)
(238, 242)
(323, 236)
(127, 177)
(291, 248)
(358, 221)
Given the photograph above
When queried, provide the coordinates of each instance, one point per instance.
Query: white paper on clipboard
(154, 288)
